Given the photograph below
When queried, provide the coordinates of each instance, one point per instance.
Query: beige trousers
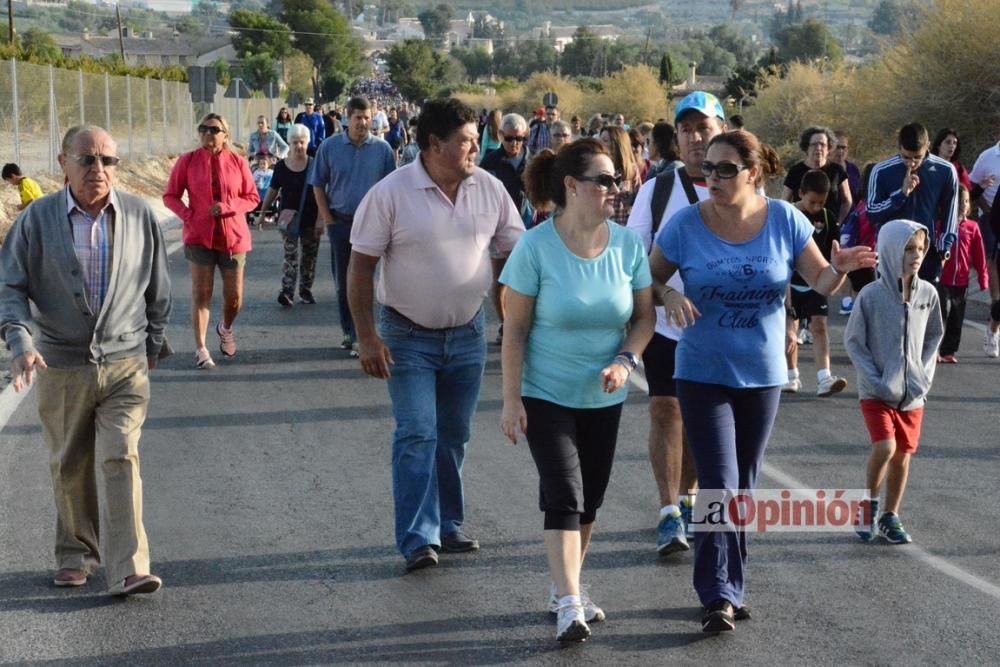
(91, 418)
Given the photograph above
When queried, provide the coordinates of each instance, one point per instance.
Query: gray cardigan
(39, 265)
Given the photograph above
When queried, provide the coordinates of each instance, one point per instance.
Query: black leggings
(573, 449)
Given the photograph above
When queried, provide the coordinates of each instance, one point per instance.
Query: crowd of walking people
(604, 247)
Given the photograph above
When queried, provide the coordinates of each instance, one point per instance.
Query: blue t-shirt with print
(581, 309)
(739, 289)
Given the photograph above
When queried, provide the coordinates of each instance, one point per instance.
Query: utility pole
(10, 22)
(121, 40)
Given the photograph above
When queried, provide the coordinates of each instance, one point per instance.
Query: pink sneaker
(227, 341)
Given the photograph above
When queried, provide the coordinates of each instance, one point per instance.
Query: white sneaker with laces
(570, 624)
(991, 343)
(830, 386)
(591, 612)
(792, 386)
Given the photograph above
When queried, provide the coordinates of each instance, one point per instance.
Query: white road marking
(10, 401)
(921, 554)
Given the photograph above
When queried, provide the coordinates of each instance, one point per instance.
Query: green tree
(585, 55)
(809, 40)
(323, 34)
(38, 45)
(669, 70)
(189, 25)
(725, 37)
(416, 68)
(222, 73)
(481, 28)
(477, 62)
(257, 33)
(436, 21)
(258, 71)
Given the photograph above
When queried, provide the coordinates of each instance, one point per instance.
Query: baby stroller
(262, 171)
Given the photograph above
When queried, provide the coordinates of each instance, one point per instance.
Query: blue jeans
(727, 429)
(434, 388)
(340, 255)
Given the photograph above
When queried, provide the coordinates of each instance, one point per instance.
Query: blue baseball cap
(704, 103)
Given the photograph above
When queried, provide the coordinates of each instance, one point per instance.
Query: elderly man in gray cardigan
(92, 262)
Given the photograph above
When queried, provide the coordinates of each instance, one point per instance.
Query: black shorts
(860, 278)
(658, 360)
(809, 304)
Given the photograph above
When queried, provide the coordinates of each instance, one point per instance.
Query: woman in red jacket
(220, 192)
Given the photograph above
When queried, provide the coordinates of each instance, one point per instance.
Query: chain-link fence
(38, 103)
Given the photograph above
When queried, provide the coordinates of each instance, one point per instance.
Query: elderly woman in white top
(266, 141)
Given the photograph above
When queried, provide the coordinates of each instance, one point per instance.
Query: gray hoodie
(894, 344)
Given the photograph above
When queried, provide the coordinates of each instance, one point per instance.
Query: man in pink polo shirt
(431, 224)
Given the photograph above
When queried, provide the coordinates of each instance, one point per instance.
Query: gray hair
(562, 125)
(71, 134)
(514, 121)
(298, 130)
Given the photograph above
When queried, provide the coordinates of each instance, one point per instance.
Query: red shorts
(885, 423)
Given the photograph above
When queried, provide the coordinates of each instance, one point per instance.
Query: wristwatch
(632, 359)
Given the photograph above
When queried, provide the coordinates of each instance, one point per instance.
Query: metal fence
(38, 103)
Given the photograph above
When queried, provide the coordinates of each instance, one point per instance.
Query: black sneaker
(305, 296)
(718, 617)
(422, 558)
(458, 542)
(285, 300)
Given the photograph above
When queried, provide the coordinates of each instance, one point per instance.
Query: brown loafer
(69, 578)
(137, 584)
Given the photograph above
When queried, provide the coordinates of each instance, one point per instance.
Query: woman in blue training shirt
(736, 253)
(579, 314)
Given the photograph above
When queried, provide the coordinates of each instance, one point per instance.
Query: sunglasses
(723, 169)
(91, 160)
(603, 180)
(559, 134)
(512, 138)
(210, 129)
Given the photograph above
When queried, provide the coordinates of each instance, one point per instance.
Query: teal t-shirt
(739, 289)
(581, 309)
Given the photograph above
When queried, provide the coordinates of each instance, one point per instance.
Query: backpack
(662, 187)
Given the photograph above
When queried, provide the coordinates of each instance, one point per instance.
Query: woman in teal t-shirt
(579, 314)
(736, 253)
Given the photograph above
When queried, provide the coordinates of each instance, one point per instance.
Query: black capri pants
(573, 449)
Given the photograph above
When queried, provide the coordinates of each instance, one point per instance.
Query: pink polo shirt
(435, 266)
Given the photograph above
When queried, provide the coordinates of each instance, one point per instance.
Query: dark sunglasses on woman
(725, 170)
(209, 129)
(604, 180)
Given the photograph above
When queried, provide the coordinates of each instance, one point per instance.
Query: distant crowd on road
(604, 246)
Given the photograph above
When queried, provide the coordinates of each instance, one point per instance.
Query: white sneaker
(805, 336)
(570, 624)
(991, 343)
(792, 386)
(830, 386)
(591, 612)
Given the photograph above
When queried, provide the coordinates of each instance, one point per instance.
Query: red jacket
(193, 174)
(967, 252)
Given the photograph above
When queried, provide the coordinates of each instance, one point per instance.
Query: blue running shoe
(891, 528)
(687, 512)
(670, 535)
(864, 522)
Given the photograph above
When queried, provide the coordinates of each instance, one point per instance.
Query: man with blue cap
(697, 118)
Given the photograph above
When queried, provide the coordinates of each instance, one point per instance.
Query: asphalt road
(268, 507)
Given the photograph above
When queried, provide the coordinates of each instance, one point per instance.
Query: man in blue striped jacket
(915, 185)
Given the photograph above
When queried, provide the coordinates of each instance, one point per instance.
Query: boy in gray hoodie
(892, 338)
